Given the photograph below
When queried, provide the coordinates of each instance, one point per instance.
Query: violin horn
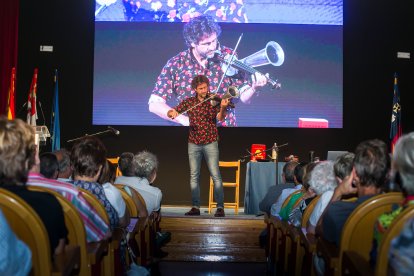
(272, 54)
(232, 92)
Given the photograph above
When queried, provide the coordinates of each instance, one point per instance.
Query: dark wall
(373, 33)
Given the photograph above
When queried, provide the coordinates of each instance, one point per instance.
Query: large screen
(296, 46)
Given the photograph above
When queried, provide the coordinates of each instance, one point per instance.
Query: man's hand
(259, 80)
(172, 113)
(224, 103)
(345, 187)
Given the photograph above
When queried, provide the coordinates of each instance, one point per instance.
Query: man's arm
(247, 92)
(223, 109)
(158, 106)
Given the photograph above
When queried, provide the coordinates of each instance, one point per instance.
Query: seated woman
(17, 155)
(298, 200)
(324, 181)
(403, 175)
(88, 157)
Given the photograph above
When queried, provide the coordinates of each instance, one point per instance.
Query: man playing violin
(202, 140)
(174, 82)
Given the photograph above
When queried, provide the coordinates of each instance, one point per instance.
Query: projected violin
(272, 54)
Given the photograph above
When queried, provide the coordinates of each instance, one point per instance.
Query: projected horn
(232, 92)
(271, 54)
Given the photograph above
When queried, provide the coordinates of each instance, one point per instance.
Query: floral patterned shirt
(174, 82)
(203, 120)
(97, 190)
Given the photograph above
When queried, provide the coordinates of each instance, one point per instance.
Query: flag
(31, 101)
(11, 114)
(396, 130)
(55, 124)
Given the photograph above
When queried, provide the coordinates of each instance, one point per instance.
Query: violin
(237, 65)
(216, 99)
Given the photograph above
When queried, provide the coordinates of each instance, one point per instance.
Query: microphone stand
(94, 134)
(277, 161)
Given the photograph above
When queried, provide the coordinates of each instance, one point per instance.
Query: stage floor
(179, 211)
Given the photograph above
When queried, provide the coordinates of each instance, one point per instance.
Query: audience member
(65, 168)
(88, 157)
(145, 165)
(106, 179)
(297, 199)
(95, 227)
(17, 156)
(297, 178)
(49, 165)
(371, 165)
(15, 256)
(402, 251)
(323, 182)
(403, 174)
(274, 192)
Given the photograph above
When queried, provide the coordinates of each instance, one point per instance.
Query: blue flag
(55, 124)
(396, 130)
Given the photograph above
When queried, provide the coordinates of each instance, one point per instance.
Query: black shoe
(219, 213)
(162, 238)
(193, 212)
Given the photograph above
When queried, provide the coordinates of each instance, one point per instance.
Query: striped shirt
(95, 226)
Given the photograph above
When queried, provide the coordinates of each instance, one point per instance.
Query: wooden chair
(27, 225)
(145, 238)
(235, 165)
(114, 161)
(111, 261)
(298, 251)
(91, 253)
(354, 264)
(357, 231)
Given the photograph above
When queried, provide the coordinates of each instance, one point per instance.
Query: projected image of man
(203, 57)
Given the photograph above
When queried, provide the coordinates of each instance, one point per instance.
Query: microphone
(115, 131)
(41, 110)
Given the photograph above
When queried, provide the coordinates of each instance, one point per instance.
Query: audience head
(403, 163)
(108, 173)
(49, 165)
(322, 177)
(17, 151)
(125, 164)
(343, 165)
(63, 157)
(88, 156)
(371, 163)
(299, 172)
(288, 171)
(146, 165)
(306, 177)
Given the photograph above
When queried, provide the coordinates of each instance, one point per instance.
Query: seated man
(65, 168)
(274, 192)
(371, 165)
(49, 165)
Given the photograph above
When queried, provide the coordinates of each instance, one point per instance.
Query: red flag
(31, 101)
(11, 114)
(396, 130)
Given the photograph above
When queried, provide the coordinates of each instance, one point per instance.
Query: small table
(259, 177)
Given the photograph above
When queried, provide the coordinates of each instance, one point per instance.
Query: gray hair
(64, 160)
(145, 164)
(343, 165)
(322, 178)
(403, 161)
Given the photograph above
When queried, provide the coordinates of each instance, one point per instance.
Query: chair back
(394, 229)
(234, 184)
(357, 232)
(75, 226)
(308, 211)
(114, 161)
(27, 225)
(132, 208)
(96, 204)
(139, 201)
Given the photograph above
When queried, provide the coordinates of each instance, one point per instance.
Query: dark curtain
(9, 21)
